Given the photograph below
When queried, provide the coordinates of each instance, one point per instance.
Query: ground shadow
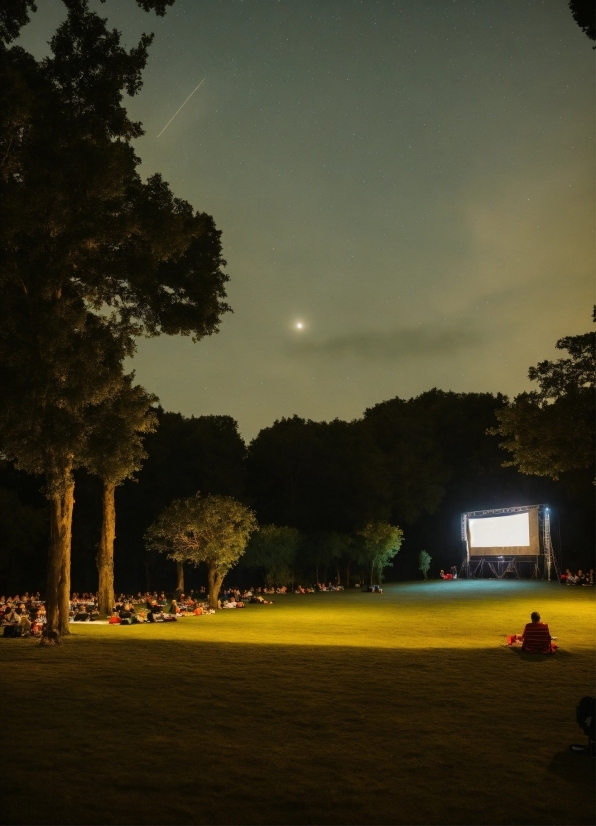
(264, 734)
(574, 767)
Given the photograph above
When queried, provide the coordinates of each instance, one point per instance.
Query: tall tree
(115, 452)
(584, 14)
(50, 377)
(424, 560)
(405, 431)
(212, 529)
(185, 454)
(90, 255)
(379, 543)
(316, 476)
(272, 551)
(550, 431)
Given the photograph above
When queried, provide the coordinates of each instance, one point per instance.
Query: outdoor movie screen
(510, 534)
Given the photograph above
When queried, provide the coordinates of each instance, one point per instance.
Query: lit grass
(323, 708)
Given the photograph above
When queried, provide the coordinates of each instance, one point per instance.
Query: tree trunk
(215, 582)
(317, 574)
(347, 576)
(105, 557)
(372, 572)
(338, 581)
(58, 576)
(179, 577)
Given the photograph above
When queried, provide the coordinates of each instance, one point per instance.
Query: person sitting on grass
(536, 638)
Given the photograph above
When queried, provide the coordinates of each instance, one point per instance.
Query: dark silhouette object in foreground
(585, 715)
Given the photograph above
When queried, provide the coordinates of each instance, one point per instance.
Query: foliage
(90, 254)
(379, 543)
(406, 434)
(56, 362)
(584, 14)
(551, 431)
(114, 449)
(14, 14)
(424, 560)
(272, 549)
(212, 529)
(316, 476)
(191, 453)
(321, 551)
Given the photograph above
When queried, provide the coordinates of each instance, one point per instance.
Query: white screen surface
(509, 531)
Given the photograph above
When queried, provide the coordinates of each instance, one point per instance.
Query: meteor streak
(177, 110)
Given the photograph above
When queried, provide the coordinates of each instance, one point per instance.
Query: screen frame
(535, 549)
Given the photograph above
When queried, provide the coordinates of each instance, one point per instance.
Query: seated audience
(535, 639)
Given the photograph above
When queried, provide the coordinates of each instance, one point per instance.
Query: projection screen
(509, 534)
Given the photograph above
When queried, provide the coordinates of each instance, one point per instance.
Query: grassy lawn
(323, 708)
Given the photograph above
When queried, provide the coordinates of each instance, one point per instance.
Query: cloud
(371, 345)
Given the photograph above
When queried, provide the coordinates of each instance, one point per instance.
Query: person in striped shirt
(536, 638)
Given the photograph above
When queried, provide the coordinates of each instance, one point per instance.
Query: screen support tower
(506, 558)
(550, 558)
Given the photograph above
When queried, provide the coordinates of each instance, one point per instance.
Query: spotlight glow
(299, 325)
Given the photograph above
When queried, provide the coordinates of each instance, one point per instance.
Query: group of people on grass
(579, 578)
(451, 574)
(22, 616)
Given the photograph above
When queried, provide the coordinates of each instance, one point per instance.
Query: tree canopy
(379, 543)
(272, 550)
(211, 529)
(91, 255)
(551, 430)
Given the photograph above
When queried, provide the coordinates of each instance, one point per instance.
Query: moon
(299, 325)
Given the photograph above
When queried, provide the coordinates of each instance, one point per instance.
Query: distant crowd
(24, 616)
(579, 578)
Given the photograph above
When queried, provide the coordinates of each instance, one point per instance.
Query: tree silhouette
(114, 452)
(91, 255)
(551, 430)
(584, 14)
(212, 529)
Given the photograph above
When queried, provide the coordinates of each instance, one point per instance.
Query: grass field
(323, 708)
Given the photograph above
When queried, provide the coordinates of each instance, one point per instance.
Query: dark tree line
(91, 256)
(416, 463)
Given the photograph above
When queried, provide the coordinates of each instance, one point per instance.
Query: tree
(551, 430)
(114, 452)
(424, 560)
(272, 550)
(405, 431)
(212, 529)
(50, 377)
(90, 255)
(185, 454)
(585, 16)
(316, 476)
(379, 543)
(322, 550)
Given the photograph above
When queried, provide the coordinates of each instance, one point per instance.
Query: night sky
(412, 181)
